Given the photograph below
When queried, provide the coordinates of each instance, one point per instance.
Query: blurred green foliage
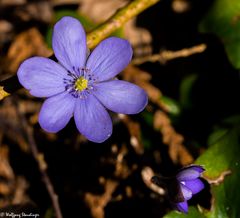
(185, 91)
(223, 19)
(148, 118)
(171, 105)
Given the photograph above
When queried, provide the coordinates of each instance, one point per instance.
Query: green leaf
(223, 19)
(171, 105)
(186, 90)
(192, 213)
(222, 155)
(147, 117)
(223, 158)
(222, 164)
(215, 136)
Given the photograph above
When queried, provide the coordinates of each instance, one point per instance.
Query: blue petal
(121, 97)
(182, 207)
(69, 43)
(109, 58)
(190, 173)
(56, 112)
(42, 76)
(195, 185)
(187, 193)
(92, 119)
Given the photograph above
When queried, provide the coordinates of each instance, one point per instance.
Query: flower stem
(117, 20)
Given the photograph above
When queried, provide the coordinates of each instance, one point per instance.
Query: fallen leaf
(26, 44)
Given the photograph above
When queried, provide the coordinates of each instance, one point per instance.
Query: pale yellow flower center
(81, 84)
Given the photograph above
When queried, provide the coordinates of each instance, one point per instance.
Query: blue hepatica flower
(190, 184)
(183, 186)
(80, 85)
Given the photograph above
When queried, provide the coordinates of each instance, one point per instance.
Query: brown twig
(39, 157)
(167, 55)
(147, 173)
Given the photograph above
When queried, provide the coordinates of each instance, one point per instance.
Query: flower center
(81, 84)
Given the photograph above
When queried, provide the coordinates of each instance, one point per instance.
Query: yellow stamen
(81, 84)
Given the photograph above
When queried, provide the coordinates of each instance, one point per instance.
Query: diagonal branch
(117, 20)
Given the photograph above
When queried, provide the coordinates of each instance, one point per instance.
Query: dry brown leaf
(122, 170)
(6, 32)
(134, 130)
(7, 182)
(142, 78)
(21, 187)
(10, 124)
(41, 11)
(64, 2)
(177, 151)
(97, 203)
(100, 10)
(139, 38)
(12, 2)
(12, 188)
(162, 123)
(5, 167)
(181, 6)
(26, 44)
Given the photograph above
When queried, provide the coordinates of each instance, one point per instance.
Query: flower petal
(109, 58)
(56, 112)
(182, 207)
(187, 193)
(92, 119)
(190, 173)
(42, 76)
(121, 97)
(69, 43)
(195, 185)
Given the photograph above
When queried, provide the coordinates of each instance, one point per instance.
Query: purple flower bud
(183, 186)
(82, 85)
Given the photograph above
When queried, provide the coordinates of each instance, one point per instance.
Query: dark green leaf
(186, 90)
(223, 159)
(222, 164)
(192, 213)
(223, 19)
